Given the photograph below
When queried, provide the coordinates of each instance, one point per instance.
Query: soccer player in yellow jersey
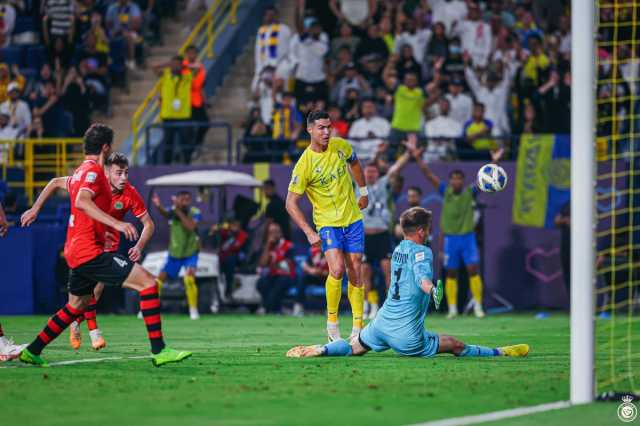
(321, 173)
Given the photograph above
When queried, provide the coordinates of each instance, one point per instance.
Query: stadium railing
(253, 149)
(211, 25)
(28, 164)
(181, 149)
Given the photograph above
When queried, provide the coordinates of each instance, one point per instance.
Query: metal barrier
(183, 148)
(40, 160)
(220, 15)
(266, 149)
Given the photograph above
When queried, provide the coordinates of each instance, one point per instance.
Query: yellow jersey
(324, 177)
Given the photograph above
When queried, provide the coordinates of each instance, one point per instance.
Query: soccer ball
(491, 178)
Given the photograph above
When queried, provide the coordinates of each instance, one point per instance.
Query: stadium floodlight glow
(582, 199)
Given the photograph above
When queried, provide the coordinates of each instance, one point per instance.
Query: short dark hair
(317, 115)
(458, 172)
(414, 218)
(95, 137)
(415, 188)
(479, 104)
(184, 192)
(117, 158)
(269, 182)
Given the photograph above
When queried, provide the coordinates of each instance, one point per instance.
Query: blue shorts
(460, 249)
(349, 239)
(173, 265)
(424, 346)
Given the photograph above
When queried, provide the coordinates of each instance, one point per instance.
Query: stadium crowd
(464, 75)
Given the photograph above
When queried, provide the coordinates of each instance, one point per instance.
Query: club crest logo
(341, 155)
(118, 205)
(627, 411)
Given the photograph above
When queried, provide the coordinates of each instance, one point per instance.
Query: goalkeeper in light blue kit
(400, 323)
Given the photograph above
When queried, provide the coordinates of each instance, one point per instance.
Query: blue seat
(35, 57)
(12, 55)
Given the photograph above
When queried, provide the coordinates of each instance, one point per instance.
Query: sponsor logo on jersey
(91, 177)
(419, 256)
(118, 205)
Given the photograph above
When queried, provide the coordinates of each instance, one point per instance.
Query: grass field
(239, 376)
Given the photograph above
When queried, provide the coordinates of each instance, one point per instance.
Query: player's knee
(451, 273)
(337, 272)
(473, 270)
(80, 302)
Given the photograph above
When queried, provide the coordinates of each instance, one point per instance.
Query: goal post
(583, 176)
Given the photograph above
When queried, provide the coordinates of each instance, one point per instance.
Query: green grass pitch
(240, 376)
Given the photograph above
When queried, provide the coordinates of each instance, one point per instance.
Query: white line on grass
(83, 361)
(497, 415)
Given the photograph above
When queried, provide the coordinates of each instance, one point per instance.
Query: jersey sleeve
(422, 265)
(90, 181)
(298, 182)
(442, 188)
(346, 148)
(138, 207)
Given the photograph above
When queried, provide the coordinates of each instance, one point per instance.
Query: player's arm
(411, 144)
(148, 227)
(426, 171)
(186, 221)
(156, 202)
(4, 225)
(84, 202)
(358, 176)
(293, 208)
(54, 184)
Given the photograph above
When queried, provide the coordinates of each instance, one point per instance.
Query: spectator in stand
(17, 109)
(339, 126)
(123, 20)
(307, 54)
(338, 66)
(82, 11)
(351, 107)
(536, 66)
(478, 130)
(276, 268)
(48, 106)
(36, 130)
(437, 49)
(357, 13)
(529, 123)
(287, 120)
(461, 104)
(98, 30)
(7, 23)
(386, 32)
(409, 100)
(406, 62)
(448, 12)
(475, 36)
(454, 63)
(7, 133)
(352, 80)
(372, 71)
(7, 77)
(368, 133)
(272, 43)
(58, 32)
(494, 94)
(442, 132)
(275, 210)
(564, 35)
(372, 44)
(232, 241)
(416, 37)
(555, 103)
(77, 99)
(198, 106)
(254, 126)
(527, 28)
(344, 39)
(93, 69)
(314, 272)
(175, 107)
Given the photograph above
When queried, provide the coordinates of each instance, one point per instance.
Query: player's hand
(155, 200)
(363, 202)
(496, 155)
(28, 217)
(314, 239)
(130, 232)
(135, 254)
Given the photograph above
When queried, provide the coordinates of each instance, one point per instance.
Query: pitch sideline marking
(497, 415)
(83, 361)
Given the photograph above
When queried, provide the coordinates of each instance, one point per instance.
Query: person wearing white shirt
(8, 21)
(355, 12)
(461, 104)
(17, 109)
(369, 132)
(441, 133)
(272, 43)
(417, 38)
(7, 133)
(448, 12)
(475, 36)
(494, 94)
(307, 54)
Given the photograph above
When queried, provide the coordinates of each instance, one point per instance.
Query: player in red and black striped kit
(124, 198)
(90, 197)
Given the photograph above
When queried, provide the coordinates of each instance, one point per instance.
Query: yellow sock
(159, 283)
(475, 283)
(373, 297)
(333, 288)
(356, 298)
(191, 289)
(451, 290)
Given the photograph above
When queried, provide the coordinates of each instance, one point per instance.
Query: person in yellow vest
(287, 120)
(175, 108)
